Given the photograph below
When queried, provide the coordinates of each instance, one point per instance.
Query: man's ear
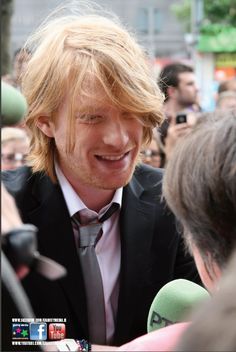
(46, 126)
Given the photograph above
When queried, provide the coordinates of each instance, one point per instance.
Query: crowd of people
(86, 168)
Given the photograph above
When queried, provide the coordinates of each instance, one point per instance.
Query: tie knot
(90, 226)
(86, 216)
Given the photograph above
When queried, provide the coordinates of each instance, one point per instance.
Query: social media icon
(20, 331)
(56, 331)
(38, 331)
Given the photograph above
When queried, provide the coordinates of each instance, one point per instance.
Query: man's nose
(116, 133)
(148, 159)
(19, 163)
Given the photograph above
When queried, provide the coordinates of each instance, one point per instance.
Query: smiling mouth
(112, 157)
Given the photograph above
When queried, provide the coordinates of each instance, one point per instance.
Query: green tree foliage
(183, 13)
(222, 12)
(6, 11)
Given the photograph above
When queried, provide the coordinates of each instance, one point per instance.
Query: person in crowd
(177, 81)
(21, 58)
(199, 186)
(202, 193)
(229, 84)
(153, 154)
(226, 100)
(202, 196)
(92, 107)
(178, 84)
(15, 147)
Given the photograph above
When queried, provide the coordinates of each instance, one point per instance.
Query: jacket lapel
(136, 227)
(56, 240)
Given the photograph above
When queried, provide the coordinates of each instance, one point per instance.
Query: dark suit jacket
(152, 251)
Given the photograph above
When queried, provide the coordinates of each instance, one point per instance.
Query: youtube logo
(56, 331)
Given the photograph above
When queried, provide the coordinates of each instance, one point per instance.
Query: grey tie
(89, 234)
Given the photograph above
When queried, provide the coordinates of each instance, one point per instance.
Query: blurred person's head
(94, 77)
(200, 188)
(153, 154)
(227, 85)
(15, 147)
(178, 83)
(226, 100)
(21, 58)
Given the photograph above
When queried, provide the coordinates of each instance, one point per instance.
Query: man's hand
(10, 221)
(10, 215)
(176, 131)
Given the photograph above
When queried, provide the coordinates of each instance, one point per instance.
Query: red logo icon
(56, 331)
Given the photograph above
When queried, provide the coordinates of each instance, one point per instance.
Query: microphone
(20, 247)
(48, 267)
(174, 302)
(13, 104)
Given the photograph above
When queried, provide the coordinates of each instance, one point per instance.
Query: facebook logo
(38, 331)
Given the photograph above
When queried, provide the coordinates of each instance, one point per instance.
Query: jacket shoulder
(27, 188)
(16, 180)
(149, 176)
(22, 182)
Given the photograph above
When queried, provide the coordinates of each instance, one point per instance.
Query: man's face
(186, 92)
(14, 153)
(107, 142)
(151, 155)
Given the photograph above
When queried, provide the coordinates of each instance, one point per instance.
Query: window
(142, 20)
(157, 20)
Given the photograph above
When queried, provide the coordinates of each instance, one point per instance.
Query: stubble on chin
(116, 183)
(111, 185)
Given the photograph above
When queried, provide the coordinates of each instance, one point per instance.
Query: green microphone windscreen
(13, 105)
(174, 302)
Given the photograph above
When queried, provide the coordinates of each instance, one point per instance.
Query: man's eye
(90, 118)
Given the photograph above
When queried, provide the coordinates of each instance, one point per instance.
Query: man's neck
(94, 198)
(172, 108)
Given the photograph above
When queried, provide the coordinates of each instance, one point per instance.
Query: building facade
(152, 21)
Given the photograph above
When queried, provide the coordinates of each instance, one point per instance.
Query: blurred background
(201, 33)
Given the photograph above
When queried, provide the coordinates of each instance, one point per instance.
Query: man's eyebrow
(87, 109)
(90, 109)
